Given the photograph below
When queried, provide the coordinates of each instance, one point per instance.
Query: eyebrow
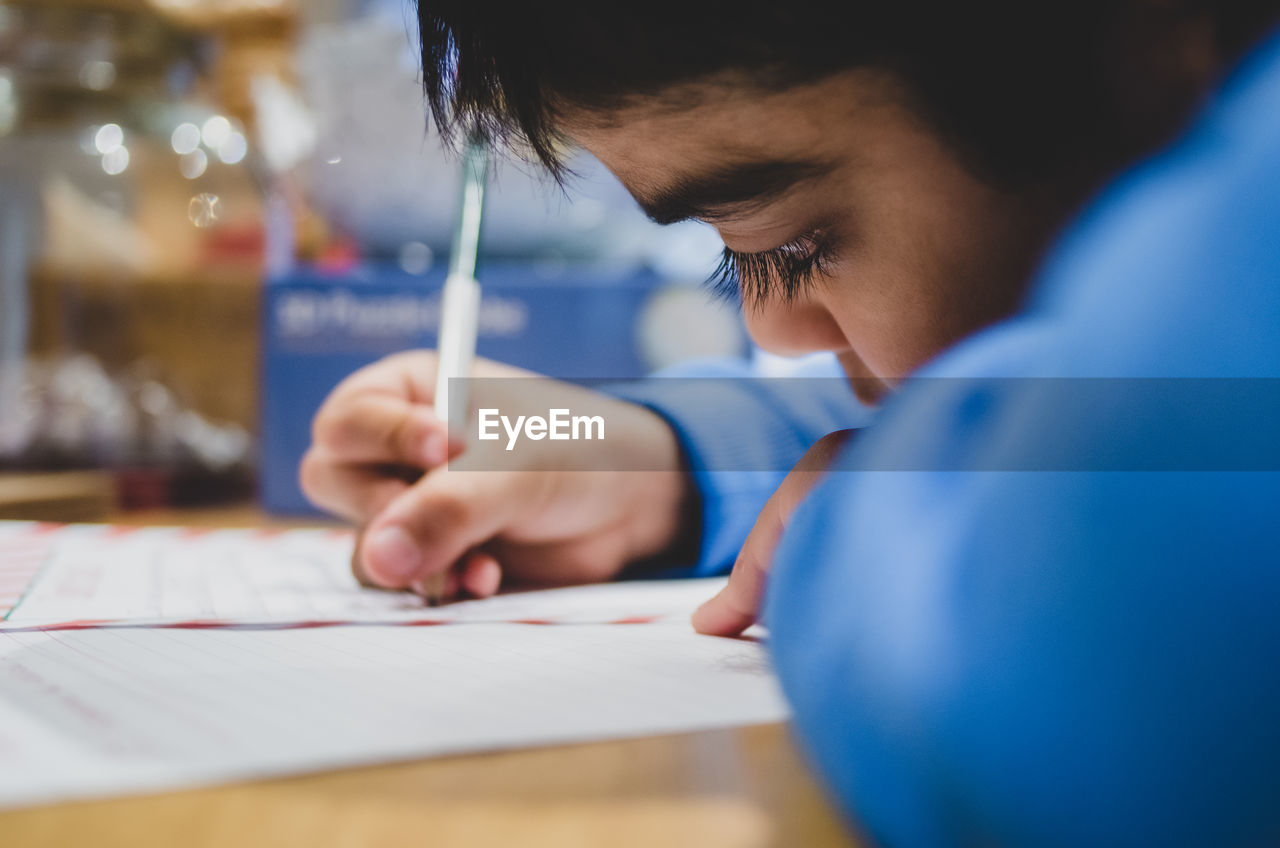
(729, 190)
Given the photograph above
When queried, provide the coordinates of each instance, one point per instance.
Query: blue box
(578, 323)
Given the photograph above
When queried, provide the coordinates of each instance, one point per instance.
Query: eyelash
(785, 272)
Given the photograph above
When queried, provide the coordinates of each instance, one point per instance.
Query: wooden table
(741, 788)
(59, 496)
(738, 788)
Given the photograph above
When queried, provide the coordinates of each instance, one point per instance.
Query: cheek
(925, 278)
(933, 255)
(894, 317)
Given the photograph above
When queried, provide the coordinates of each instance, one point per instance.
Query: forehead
(683, 132)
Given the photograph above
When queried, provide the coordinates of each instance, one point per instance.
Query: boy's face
(917, 251)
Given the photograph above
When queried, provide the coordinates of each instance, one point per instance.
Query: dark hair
(1024, 91)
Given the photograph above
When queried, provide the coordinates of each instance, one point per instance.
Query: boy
(1059, 627)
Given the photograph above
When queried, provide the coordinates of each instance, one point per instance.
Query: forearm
(738, 435)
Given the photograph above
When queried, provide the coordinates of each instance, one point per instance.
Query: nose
(794, 329)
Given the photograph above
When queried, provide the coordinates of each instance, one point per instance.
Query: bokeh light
(233, 150)
(116, 161)
(215, 132)
(194, 164)
(97, 75)
(204, 210)
(108, 139)
(185, 139)
(416, 257)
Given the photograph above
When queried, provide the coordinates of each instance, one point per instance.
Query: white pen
(460, 312)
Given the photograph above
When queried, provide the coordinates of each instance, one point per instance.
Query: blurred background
(213, 210)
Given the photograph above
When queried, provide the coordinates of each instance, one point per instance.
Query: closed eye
(783, 273)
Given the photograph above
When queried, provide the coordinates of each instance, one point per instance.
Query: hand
(736, 606)
(376, 459)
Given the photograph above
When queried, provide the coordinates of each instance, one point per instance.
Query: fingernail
(390, 554)
(433, 449)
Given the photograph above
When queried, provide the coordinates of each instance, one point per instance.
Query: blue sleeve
(1004, 657)
(740, 434)
(1053, 667)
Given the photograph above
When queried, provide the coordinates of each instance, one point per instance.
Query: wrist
(663, 503)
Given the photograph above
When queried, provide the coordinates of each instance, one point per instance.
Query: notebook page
(94, 575)
(99, 712)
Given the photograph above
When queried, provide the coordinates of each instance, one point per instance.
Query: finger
(409, 374)
(481, 575)
(432, 524)
(361, 574)
(380, 428)
(357, 563)
(591, 559)
(448, 589)
(735, 607)
(354, 492)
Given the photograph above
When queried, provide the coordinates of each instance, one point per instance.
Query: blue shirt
(1060, 627)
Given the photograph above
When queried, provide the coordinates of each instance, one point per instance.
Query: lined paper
(155, 659)
(24, 551)
(103, 712)
(94, 575)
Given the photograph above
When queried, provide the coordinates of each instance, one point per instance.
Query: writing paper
(96, 575)
(89, 711)
(103, 712)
